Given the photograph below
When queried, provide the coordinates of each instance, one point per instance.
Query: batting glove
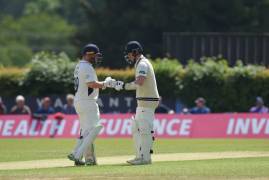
(119, 85)
(109, 82)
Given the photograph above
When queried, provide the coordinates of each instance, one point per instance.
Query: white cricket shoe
(132, 160)
(140, 161)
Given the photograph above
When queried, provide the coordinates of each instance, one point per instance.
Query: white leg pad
(78, 143)
(144, 119)
(90, 154)
(88, 138)
(136, 137)
(146, 144)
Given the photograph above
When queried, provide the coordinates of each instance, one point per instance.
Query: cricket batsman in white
(147, 100)
(87, 90)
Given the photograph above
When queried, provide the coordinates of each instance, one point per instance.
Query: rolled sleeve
(142, 69)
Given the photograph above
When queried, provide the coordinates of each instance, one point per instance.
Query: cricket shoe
(90, 162)
(71, 157)
(140, 161)
(78, 162)
(132, 160)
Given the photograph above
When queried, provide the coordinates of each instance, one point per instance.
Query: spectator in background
(20, 107)
(200, 107)
(69, 106)
(163, 109)
(259, 108)
(185, 111)
(46, 107)
(3, 109)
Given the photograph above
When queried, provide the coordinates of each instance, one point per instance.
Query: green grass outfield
(243, 168)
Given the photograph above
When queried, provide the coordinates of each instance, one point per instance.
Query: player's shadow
(125, 164)
(100, 165)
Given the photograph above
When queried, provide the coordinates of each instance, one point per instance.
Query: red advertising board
(165, 126)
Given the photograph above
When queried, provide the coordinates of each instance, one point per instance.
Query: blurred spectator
(185, 111)
(69, 106)
(259, 108)
(163, 109)
(46, 107)
(200, 107)
(20, 107)
(3, 109)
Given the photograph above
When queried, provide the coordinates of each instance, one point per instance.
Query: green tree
(41, 6)
(13, 47)
(19, 37)
(12, 7)
(112, 24)
(47, 32)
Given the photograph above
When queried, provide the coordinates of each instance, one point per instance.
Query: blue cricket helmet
(132, 47)
(90, 49)
(94, 50)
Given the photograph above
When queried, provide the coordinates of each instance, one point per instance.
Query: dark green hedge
(11, 81)
(225, 88)
(49, 74)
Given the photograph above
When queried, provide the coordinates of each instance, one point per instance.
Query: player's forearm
(96, 85)
(139, 80)
(130, 86)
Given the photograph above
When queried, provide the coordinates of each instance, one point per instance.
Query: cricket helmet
(93, 49)
(133, 47)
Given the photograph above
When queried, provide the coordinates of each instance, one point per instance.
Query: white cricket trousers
(88, 113)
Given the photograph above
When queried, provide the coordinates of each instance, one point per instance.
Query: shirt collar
(141, 57)
(84, 61)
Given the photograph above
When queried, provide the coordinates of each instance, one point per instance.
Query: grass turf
(32, 149)
(243, 168)
(206, 169)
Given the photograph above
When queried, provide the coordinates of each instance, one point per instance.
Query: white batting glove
(119, 85)
(109, 82)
